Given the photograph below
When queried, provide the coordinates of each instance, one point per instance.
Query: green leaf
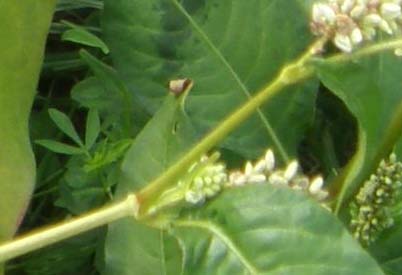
(131, 247)
(65, 125)
(23, 29)
(82, 36)
(370, 88)
(92, 128)
(131, 111)
(91, 94)
(59, 147)
(267, 230)
(230, 48)
(81, 191)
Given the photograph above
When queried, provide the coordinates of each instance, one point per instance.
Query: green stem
(366, 51)
(126, 208)
(290, 74)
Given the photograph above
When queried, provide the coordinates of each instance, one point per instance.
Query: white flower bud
(198, 182)
(390, 10)
(248, 170)
(269, 160)
(194, 197)
(347, 5)
(398, 52)
(372, 20)
(358, 11)
(260, 166)
(316, 185)
(323, 13)
(291, 170)
(356, 36)
(219, 179)
(343, 42)
(207, 180)
(386, 27)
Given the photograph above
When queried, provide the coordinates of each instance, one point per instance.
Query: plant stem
(290, 74)
(126, 208)
(366, 51)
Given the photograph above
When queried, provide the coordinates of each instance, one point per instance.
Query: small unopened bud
(316, 185)
(343, 42)
(291, 170)
(323, 13)
(356, 36)
(178, 86)
(270, 160)
(390, 10)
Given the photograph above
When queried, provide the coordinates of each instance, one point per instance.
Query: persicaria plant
(201, 137)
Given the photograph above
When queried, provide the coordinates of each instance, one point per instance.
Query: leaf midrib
(218, 232)
(229, 68)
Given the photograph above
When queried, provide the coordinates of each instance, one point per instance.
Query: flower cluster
(349, 23)
(207, 179)
(263, 171)
(370, 211)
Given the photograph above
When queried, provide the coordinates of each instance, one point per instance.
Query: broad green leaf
(371, 89)
(92, 128)
(65, 125)
(82, 36)
(230, 48)
(23, 29)
(59, 147)
(133, 248)
(268, 230)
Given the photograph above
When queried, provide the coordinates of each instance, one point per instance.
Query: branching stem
(137, 206)
(290, 74)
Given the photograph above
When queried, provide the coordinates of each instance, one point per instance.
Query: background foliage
(103, 124)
